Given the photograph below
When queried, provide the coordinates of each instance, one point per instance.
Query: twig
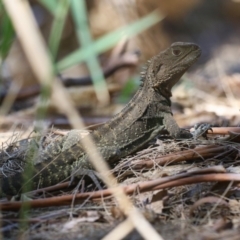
(192, 154)
(127, 60)
(223, 130)
(202, 175)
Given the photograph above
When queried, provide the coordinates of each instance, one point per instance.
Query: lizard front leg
(174, 130)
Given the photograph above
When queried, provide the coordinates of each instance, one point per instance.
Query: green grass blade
(50, 5)
(109, 40)
(6, 32)
(79, 12)
(57, 27)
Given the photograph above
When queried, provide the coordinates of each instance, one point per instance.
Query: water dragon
(142, 119)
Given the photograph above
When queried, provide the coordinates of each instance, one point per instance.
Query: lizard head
(168, 66)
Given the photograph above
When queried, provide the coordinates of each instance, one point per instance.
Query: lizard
(141, 120)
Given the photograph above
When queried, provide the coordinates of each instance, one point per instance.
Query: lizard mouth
(187, 59)
(193, 56)
(198, 52)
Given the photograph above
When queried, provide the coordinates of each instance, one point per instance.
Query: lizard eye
(176, 52)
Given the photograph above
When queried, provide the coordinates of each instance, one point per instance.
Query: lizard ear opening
(153, 83)
(158, 68)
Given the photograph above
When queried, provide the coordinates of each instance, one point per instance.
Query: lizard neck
(134, 126)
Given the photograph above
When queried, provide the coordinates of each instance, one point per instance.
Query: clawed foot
(201, 130)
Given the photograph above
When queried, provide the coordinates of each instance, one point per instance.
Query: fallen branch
(186, 155)
(224, 130)
(203, 175)
(126, 60)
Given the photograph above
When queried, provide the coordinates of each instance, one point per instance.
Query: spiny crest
(143, 73)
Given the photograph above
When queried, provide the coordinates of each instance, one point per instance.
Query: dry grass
(24, 24)
(198, 192)
(173, 190)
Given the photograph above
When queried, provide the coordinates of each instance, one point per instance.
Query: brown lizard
(142, 119)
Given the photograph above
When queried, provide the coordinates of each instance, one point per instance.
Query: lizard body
(142, 119)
